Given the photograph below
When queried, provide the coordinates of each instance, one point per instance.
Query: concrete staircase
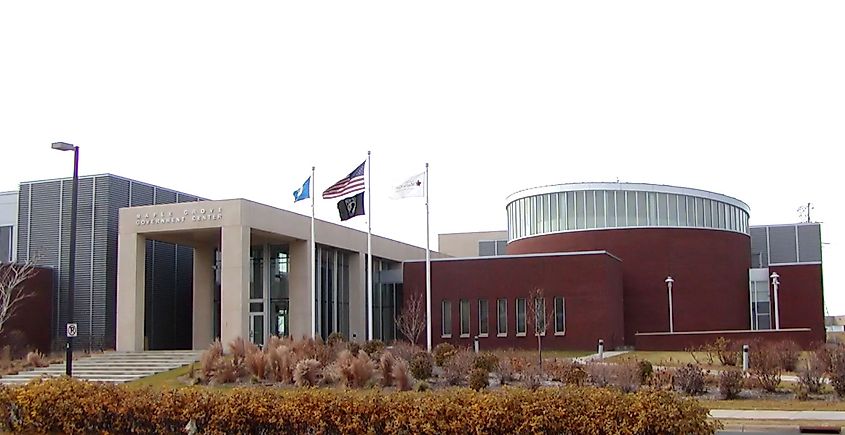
(115, 367)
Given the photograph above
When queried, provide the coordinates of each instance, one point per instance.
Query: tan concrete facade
(233, 226)
(466, 244)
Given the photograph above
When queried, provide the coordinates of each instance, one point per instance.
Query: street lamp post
(669, 282)
(63, 146)
(775, 284)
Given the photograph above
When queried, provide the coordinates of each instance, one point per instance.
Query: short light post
(601, 349)
(71, 330)
(669, 282)
(775, 284)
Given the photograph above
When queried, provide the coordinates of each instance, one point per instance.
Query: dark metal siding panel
(100, 267)
(164, 196)
(118, 197)
(759, 247)
(809, 243)
(84, 241)
(142, 194)
(184, 296)
(181, 197)
(23, 219)
(782, 244)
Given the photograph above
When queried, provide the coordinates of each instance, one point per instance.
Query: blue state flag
(303, 192)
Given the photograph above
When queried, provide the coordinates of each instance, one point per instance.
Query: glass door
(279, 317)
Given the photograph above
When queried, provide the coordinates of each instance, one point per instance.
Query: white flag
(414, 186)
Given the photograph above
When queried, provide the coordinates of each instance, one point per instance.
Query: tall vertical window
(520, 316)
(482, 317)
(502, 317)
(560, 316)
(540, 316)
(446, 318)
(464, 308)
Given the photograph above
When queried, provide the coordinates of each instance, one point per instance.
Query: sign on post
(71, 330)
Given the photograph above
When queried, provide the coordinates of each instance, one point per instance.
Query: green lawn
(168, 379)
(663, 358)
(787, 405)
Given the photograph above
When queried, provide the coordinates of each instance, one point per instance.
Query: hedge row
(70, 406)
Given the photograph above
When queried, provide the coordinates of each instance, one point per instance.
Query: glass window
(642, 209)
(663, 210)
(446, 318)
(570, 211)
(482, 317)
(621, 213)
(486, 248)
(652, 209)
(590, 209)
(539, 316)
(699, 212)
(547, 216)
(520, 316)
(502, 316)
(5, 244)
(464, 308)
(561, 199)
(256, 274)
(554, 212)
(714, 214)
(707, 214)
(560, 316)
(611, 208)
(720, 210)
(631, 209)
(682, 211)
(501, 247)
(672, 209)
(601, 219)
(580, 217)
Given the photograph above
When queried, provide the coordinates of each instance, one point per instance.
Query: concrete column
(131, 261)
(203, 300)
(357, 297)
(234, 284)
(300, 288)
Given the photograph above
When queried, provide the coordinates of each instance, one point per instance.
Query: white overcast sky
(240, 99)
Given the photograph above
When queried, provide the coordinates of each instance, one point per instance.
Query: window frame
(445, 317)
(559, 314)
(499, 320)
(463, 308)
(524, 318)
(483, 327)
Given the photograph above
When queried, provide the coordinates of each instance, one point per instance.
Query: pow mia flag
(351, 207)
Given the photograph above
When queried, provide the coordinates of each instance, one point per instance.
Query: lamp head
(669, 280)
(63, 146)
(774, 276)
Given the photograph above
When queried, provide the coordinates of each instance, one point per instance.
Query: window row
(523, 318)
(590, 209)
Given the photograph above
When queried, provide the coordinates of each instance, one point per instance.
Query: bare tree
(13, 277)
(411, 321)
(538, 315)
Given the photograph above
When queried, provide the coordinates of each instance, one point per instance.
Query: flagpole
(313, 260)
(427, 269)
(369, 249)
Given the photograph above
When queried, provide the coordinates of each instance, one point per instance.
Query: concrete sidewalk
(734, 414)
(595, 356)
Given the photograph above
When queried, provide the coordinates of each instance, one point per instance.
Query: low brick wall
(804, 337)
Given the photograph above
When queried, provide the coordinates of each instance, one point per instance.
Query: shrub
(766, 366)
(569, 373)
(479, 378)
(506, 370)
(646, 370)
(662, 379)
(532, 378)
(36, 359)
(626, 376)
(801, 392)
(307, 373)
(599, 374)
(726, 351)
(833, 358)
(810, 374)
(423, 386)
(256, 363)
(335, 338)
(456, 368)
(355, 371)
(71, 406)
(353, 347)
(238, 349)
(486, 361)
(210, 359)
(225, 371)
(787, 355)
(373, 347)
(281, 364)
(400, 374)
(730, 384)
(422, 365)
(442, 352)
(386, 367)
(690, 379)
(403, 350)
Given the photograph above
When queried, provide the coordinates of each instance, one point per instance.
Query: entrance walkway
(595, 356)
(115, 367)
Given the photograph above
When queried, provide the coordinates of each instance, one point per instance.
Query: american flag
(352, 183)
